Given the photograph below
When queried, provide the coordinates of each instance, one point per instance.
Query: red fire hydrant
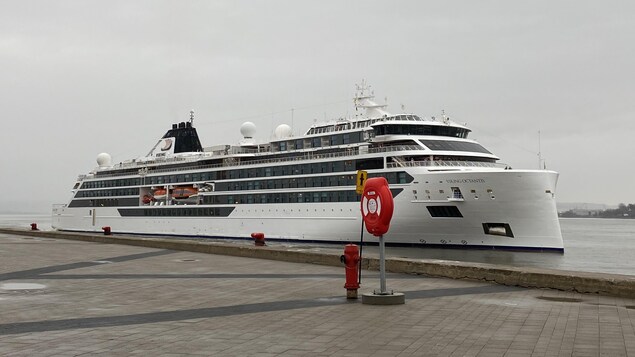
(106, 230)
(34, 226)
(351, 261)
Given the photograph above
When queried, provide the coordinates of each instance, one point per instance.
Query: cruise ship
(449, 191)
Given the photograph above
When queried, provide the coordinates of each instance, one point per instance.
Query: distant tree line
(622, 211)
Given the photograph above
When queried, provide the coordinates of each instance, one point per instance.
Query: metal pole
(382, 265)
(361, 247)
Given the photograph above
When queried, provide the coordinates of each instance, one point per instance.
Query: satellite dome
(282, 131)
(248, 129)
(104, 160)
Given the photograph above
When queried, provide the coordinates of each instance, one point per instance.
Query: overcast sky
(82, 77)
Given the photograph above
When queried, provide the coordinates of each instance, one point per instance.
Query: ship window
(444, 211)
(369, 164)
(402, 177)
(283, 146)
(299, 144)
(454, 146)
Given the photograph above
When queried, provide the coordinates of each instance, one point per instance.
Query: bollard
(34, 227)
(259, 239)
(106, 230)
(351, 261)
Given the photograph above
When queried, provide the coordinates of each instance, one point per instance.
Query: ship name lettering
(478, 180)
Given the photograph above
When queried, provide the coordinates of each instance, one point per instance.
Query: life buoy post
(377, 207)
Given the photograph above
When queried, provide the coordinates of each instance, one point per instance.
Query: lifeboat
(159, 194)
(180, 193)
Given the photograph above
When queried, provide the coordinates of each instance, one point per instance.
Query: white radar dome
(248, 130)
(104, 160)
(282, 131)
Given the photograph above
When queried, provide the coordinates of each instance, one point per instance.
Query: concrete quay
(581, 282)
(64, 297)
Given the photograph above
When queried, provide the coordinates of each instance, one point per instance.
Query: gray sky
(82, 77)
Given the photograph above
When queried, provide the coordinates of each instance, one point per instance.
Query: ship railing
(303, 157)
(394, 148)
(447, 163)
(238, 150)
(233, 151)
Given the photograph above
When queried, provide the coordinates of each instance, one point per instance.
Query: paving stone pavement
(70, 298)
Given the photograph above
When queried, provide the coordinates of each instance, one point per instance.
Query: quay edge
(581, 282)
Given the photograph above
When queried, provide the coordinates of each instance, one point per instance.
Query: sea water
(591, 245)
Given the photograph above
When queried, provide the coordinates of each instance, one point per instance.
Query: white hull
(522, 199)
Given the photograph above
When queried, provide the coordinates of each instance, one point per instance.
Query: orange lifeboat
(180, 193)
(159, 194)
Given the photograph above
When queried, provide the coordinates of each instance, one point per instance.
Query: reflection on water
(591, 244)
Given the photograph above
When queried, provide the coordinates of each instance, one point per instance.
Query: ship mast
(364, 100)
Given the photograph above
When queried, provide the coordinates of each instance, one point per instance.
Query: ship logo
(167, 144)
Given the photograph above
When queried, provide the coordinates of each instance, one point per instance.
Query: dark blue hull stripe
(339, 242)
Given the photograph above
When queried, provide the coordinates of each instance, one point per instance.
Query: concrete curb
(582, 282)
